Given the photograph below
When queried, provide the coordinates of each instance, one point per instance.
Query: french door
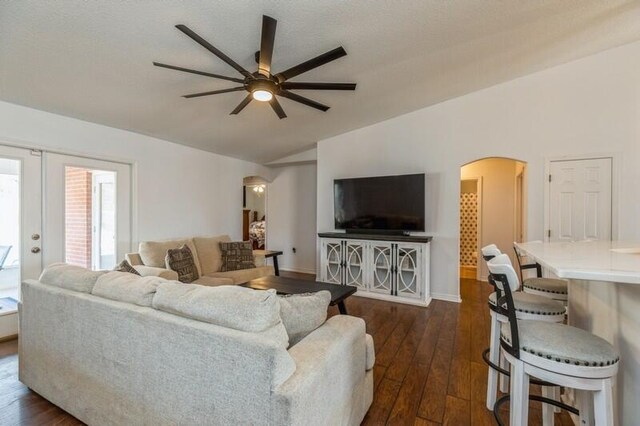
(20, 228)
(82, 217)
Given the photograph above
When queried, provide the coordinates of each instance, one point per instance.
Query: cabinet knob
(35, 250)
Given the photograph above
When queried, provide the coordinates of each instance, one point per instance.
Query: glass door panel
(20, 216)
(87, 218)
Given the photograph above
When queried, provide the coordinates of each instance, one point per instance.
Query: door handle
(35, 250)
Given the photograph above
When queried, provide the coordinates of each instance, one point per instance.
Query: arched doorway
(492, 210)
(254, 211)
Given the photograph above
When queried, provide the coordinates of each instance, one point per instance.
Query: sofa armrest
(330, 378)
(134, 259)
(150, 271)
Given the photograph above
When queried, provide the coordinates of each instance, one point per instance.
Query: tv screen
(385, 203)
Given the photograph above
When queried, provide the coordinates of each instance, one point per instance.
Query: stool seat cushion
(562, 343)
(532, 304)
(548, 285)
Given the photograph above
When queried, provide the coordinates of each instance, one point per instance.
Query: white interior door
(20, 228)
(580, 200)
(87, 211)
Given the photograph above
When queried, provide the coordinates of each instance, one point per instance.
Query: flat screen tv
(384, 203)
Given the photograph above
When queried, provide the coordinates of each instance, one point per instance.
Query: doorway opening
(492, 210)
(254, 211)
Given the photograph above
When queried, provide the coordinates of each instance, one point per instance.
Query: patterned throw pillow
(236, 255)
(181, 260)
(125, 266)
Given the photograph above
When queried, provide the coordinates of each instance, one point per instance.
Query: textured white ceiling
(92, 60)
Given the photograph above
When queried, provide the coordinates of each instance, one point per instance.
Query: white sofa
(107, 350)
(149, 261)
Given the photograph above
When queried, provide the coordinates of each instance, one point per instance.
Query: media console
(387, 267)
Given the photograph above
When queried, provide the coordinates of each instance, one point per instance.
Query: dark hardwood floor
(428, 370)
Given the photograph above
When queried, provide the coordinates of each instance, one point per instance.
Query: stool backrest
(490, 251)
(501, 265)
(504, 277)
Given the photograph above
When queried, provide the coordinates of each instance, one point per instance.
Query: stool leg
(603, 404)
(584, 403)
(519, 403)
(557, 397)
(494, 357)
(504, 380)
(547, 410)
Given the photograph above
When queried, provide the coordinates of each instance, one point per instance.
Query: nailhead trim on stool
(531, 284)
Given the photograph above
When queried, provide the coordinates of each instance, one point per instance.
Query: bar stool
(554, 352)
(527, 306)
(553, 288)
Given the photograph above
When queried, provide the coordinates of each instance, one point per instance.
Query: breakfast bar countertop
(609, 261)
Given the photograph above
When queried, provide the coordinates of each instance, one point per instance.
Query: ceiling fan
(262, 85)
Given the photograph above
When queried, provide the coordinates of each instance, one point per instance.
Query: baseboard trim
(299, 270)
(394, 299)
(446, 297)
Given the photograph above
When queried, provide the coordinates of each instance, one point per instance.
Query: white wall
(291, 218)
(588, 106)
(180, 191)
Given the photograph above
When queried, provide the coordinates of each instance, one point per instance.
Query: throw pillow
(303, 313)
(181, 260)
(125, 266)
(236, 255)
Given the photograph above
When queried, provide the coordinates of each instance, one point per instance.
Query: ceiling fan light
(262, 95)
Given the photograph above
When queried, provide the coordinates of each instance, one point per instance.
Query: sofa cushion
(181, 261)
(71, 277)
(303, 313)
(150, 271)
(236, 255)
(245, 275)
(153, 253)
(213, 281)
(233, 307)
(125, 266)
(125, 287)
(209, 252)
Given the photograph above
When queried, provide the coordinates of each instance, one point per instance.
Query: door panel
(82, 215)
(381, 257)
(20, 228)
(580, 200)
(332, 271)
(355, 264)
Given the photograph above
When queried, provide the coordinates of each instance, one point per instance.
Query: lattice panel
(468, 228)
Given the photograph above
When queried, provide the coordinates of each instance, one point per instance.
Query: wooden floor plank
(457, 412)
(382, 402)
(432, 405)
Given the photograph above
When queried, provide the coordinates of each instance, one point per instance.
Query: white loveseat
(149, 261)
(118, 349)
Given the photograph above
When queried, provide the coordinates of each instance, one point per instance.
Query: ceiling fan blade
(214, 92)
(266, 45)
(204, 43)
(303, 100)
(277, 108)
(242, 104)
(318, 86)
(206, 74)
(327, 57)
